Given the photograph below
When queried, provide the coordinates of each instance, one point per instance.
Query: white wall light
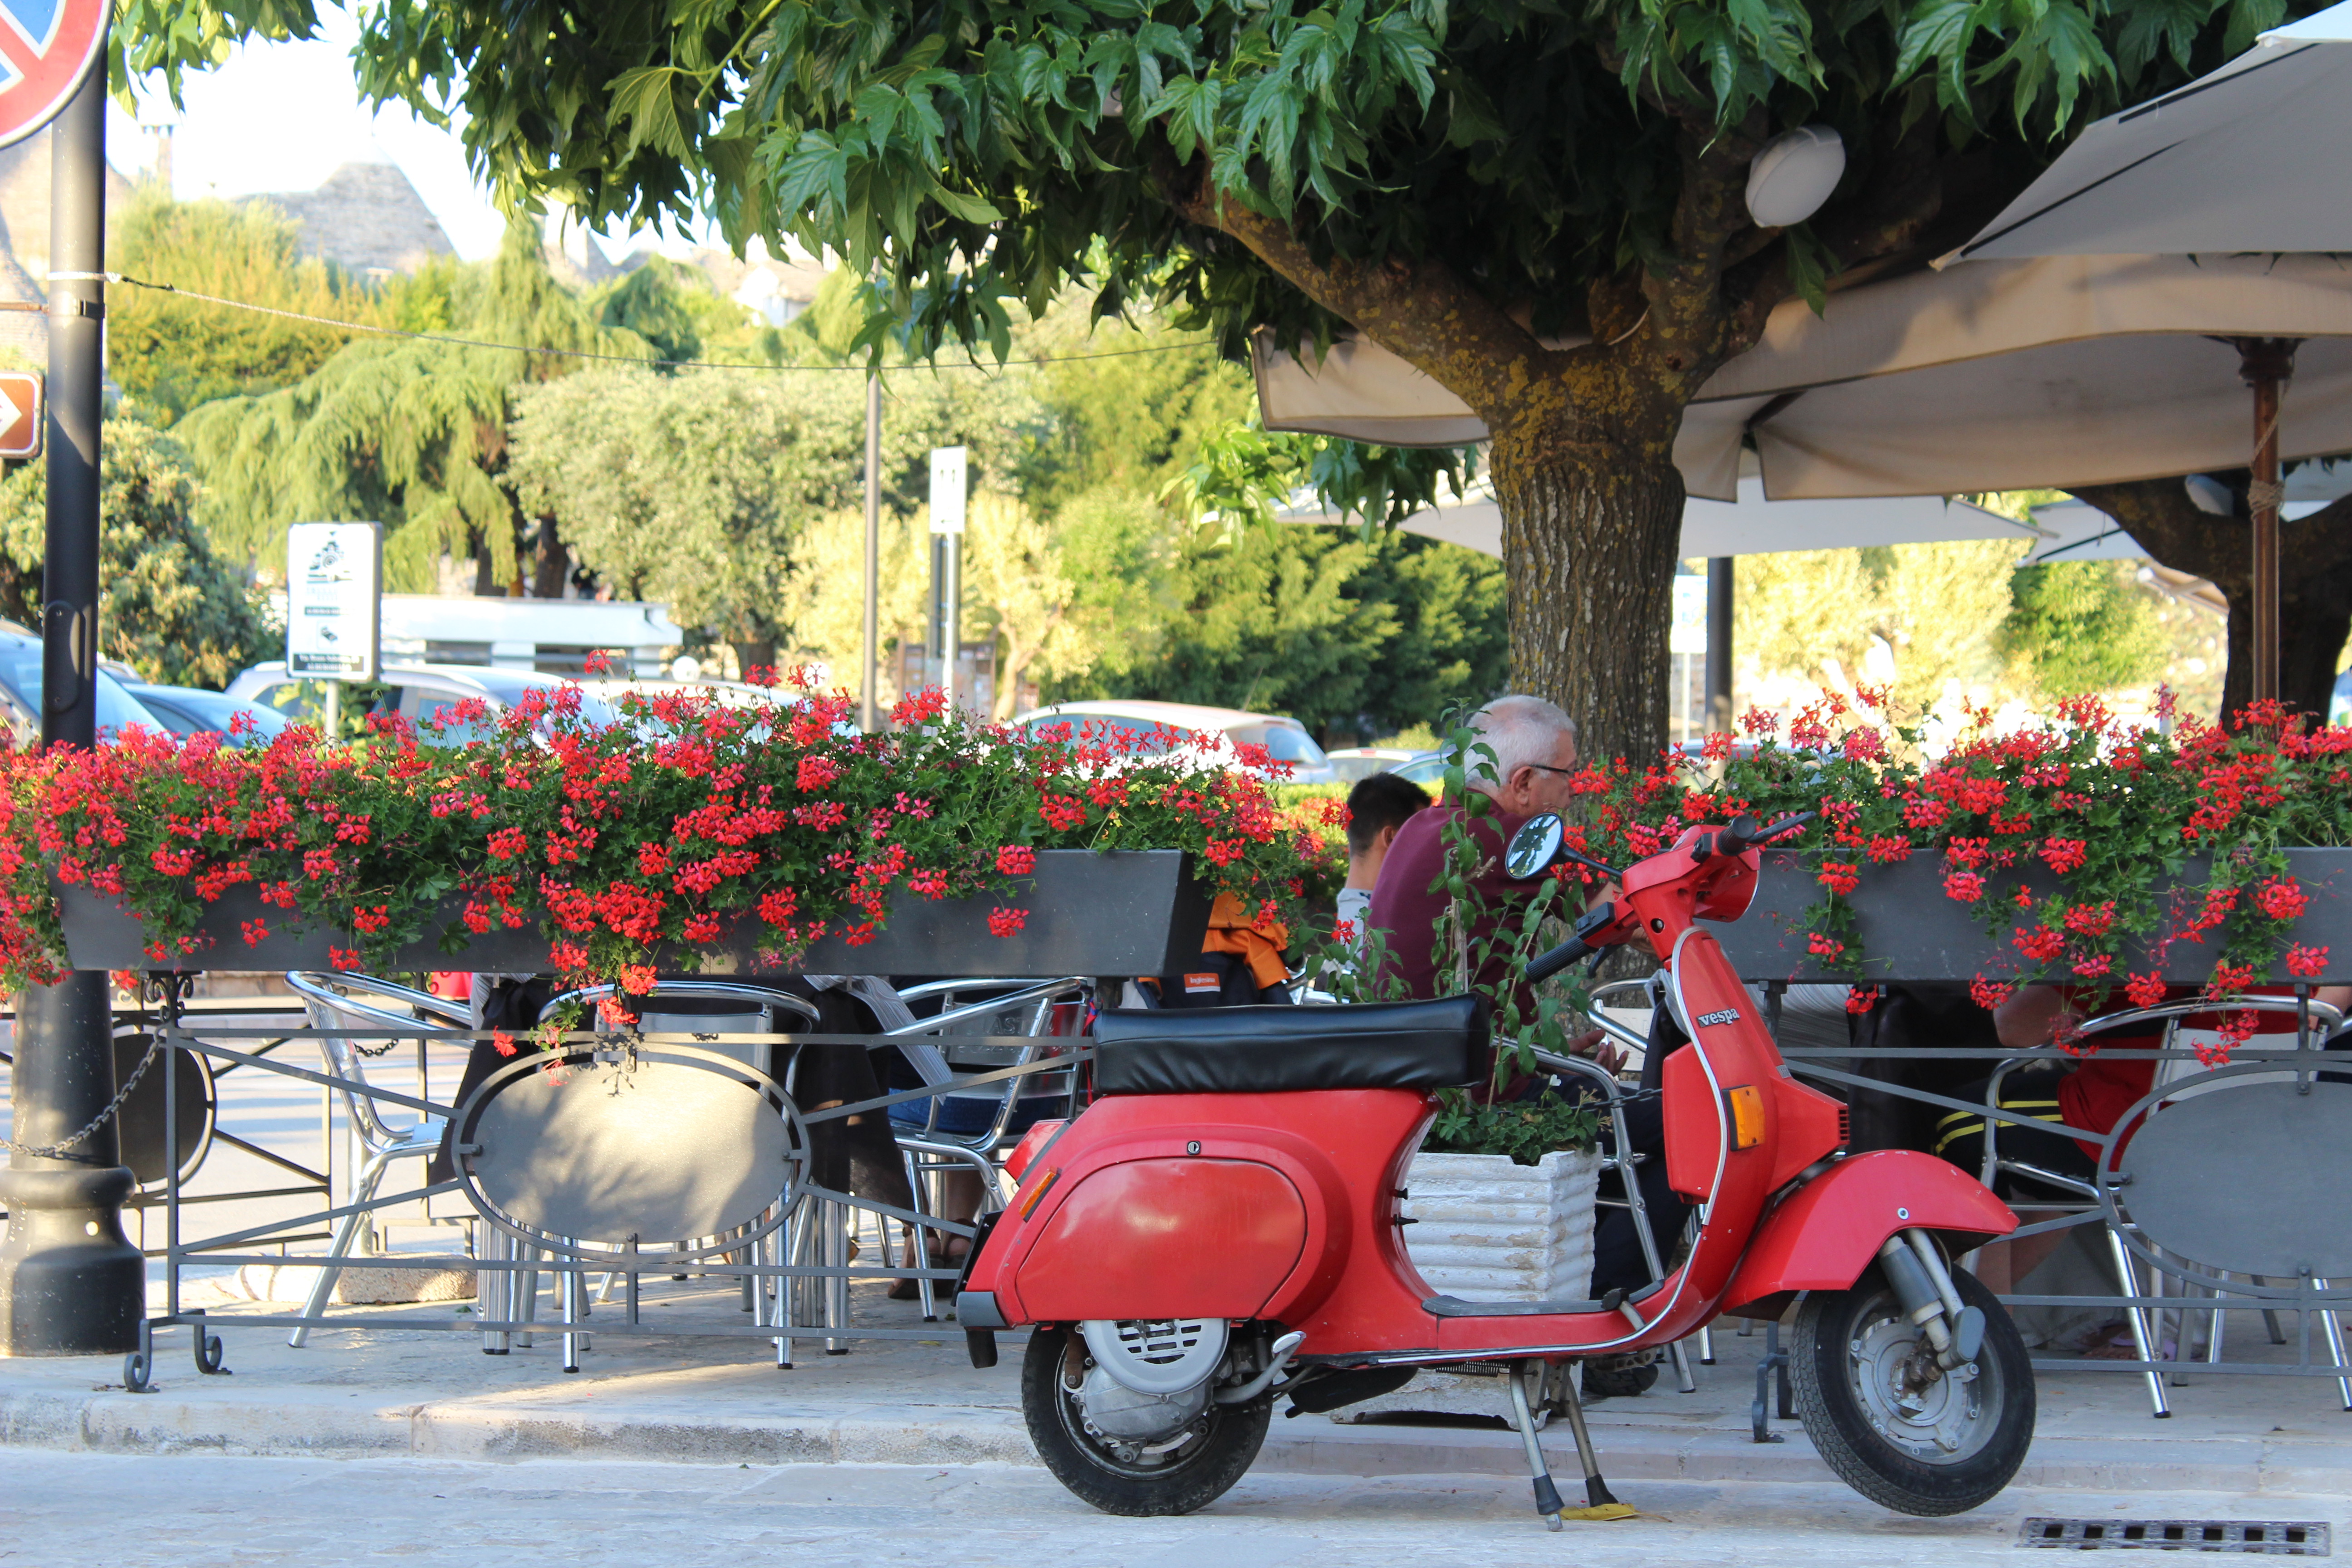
(1794, 174)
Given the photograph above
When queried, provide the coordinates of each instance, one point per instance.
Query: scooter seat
(1264, 1050)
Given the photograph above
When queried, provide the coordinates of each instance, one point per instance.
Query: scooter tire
(1194, 1482)
(1832, 1365)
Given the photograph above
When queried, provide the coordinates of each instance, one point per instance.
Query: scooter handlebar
(1743, 835)
(1544, 966)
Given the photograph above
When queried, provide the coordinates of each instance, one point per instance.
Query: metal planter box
(1911, 931)
(1123, 913)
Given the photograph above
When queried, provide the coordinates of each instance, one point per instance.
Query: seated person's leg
(1618, 1262)
(1959, 1138)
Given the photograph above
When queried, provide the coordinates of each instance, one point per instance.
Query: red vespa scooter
(1220, 1229)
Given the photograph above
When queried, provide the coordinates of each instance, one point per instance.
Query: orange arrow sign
(20, 414)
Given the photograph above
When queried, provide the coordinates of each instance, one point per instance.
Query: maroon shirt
(1404, 908)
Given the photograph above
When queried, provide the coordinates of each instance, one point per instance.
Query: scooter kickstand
(1547, 1501)
(1597, 1501)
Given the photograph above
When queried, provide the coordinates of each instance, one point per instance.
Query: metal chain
(55, 1151)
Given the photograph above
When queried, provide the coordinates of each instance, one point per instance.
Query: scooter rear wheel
(1175, 1477)
(1941, 1448)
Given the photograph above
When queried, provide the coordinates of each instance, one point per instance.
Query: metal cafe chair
(2146, 1330)
(1029, 1007)
(700, 1008)
(362, 1001)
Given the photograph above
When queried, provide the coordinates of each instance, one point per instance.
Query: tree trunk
(753, 654)
(552, 562)
(1589, 536)
(485, 572)
(2314, 593)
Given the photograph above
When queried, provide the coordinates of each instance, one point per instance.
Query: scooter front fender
(1825, 1234)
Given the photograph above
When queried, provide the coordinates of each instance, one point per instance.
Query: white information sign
(947, 489)
(1690, 631)
(334, 599)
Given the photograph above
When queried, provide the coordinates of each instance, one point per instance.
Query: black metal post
(1718, 642)
(70, 1282)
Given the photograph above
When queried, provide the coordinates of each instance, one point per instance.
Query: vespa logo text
(1728, 1015)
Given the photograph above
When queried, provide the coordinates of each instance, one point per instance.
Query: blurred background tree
(173, 352)
(2078, 626)
(168, 604)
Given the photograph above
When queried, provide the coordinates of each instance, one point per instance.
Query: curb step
(317, 1423)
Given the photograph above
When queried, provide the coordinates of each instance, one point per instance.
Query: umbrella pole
(2267, 364)
(1720, 581)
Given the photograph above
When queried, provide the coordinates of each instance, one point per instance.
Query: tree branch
(1424, 312)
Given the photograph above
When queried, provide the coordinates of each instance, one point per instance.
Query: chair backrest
(337, 1000)
(711, 1007)
(670, 1144)
(2250, 1175)
(1026, 1008)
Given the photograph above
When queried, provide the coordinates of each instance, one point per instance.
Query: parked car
(20, 691)
(187, 711)
(2339, 707)
(1362, 762)
(1426, 768)
(1181, 725)
(420, 693)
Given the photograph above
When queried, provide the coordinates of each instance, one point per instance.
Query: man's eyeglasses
(1550, 769)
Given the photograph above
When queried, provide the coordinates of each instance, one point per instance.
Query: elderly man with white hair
(1535, 757)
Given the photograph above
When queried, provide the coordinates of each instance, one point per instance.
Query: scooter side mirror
(1534, 847)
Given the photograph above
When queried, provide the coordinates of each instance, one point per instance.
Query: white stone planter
(1490, 1230)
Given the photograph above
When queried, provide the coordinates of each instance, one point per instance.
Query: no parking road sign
(46, 46)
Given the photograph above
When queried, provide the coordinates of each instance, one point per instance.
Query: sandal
(947, 1252)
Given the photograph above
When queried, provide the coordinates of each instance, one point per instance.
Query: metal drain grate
(2272, 1537)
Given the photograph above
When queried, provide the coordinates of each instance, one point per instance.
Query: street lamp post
(70, 1282)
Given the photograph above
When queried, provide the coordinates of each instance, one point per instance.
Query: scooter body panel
(1183, 1177)
(1198, 1237)
(1827, 1232)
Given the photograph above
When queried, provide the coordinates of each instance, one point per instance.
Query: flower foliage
(2091, 850)
(675, 828)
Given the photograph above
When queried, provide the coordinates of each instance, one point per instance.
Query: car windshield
(213, 713)
(1289, 743)
(20, 669)
(1428, 770)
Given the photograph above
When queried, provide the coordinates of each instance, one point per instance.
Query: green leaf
(645, 97)
(968, 207)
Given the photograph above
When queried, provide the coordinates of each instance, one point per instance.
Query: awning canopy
(1996, 377)
(2250, 158)
(1750, 526)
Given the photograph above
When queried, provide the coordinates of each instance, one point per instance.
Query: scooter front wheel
(1174, 1474)
(1899, 1430)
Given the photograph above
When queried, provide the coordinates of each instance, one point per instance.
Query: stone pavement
(428, 1394)
(195, 1512)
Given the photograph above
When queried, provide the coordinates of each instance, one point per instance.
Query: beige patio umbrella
(2055, 371)
(2248, 158)
(1748, 526)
